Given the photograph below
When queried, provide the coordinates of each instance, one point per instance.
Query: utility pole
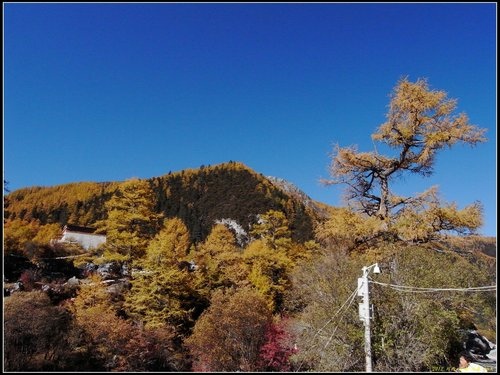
(364, 311)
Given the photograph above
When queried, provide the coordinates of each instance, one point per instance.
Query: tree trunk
(383, 210)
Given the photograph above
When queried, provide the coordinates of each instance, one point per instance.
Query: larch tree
(271, 257)
(99, 331)
(273, 227)
(163, 292)
(18, 234)
(420, 122)
(220, 259)
(132, 221)
(170, 246)
(268, 271)
(47, 232)
(107, 340)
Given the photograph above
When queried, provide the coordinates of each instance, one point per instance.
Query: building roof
(76, 228)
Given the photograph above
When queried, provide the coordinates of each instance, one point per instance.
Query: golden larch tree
(420, 122)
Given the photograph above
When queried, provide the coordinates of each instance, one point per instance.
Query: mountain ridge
(200, 196)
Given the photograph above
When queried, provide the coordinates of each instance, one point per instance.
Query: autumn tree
(273, 227)
(164, 293)
(229, 334)
(279, 347)
(170, 245)
(132, 221)
(112, 342)
(346, 229)
(48, 232)
(219, 259)
(420, 122)
(269, 271)
(271, 257)
(18, 235)
(96, 324)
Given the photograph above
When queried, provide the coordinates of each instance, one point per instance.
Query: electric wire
(349, 302)
(401, 288)
(413, 289)
(335, 330)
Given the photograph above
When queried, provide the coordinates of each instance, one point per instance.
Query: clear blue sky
(106, 92)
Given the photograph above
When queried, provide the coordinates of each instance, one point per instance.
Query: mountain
(200, 197)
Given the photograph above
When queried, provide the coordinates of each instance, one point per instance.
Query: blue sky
(110, 91)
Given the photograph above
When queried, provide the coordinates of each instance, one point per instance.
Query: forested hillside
(197, 196)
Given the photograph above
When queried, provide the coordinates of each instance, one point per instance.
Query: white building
(84, 236)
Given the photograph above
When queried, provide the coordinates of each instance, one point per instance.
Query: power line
(400, 288)
(404, 288)
(352, 298)
(66, 257)
(349, 302)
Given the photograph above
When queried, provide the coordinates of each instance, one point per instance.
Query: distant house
(84, 236)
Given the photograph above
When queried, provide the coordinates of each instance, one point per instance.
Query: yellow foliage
(219, 259)
(132, 221)
(428, 217)
(170, 245)
(17, 233)
(420, 122)
(345, 227)
(269, 271)
(47, 232)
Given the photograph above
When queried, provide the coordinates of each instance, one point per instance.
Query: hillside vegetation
(284, 274)
(197, 196)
